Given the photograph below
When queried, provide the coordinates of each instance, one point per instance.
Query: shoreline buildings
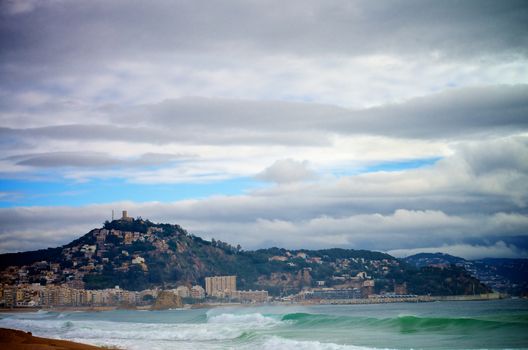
(61, 295)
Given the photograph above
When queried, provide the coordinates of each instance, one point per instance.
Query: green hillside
(137, 254)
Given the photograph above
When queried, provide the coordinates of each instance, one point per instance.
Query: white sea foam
(217, 328)
(40, 314)
(278, 343)
(255, 319)
(125, 330)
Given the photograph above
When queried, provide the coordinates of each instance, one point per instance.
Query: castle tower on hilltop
(125, 216)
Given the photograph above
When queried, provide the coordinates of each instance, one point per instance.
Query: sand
(18, 340)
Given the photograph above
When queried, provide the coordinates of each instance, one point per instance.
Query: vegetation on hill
(451, 280)
(427, 259)
(503, 275)
(27, 258)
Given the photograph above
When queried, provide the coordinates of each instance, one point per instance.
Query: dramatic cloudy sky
(399, 126)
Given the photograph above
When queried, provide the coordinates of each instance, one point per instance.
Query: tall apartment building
(218, 285)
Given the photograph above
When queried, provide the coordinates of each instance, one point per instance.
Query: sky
(396, 126)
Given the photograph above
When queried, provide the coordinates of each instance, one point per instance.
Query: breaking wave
(408, 324)
(254, 319)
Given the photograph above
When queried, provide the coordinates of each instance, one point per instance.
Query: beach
(19, 340)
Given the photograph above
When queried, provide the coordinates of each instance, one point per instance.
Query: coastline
(60, 309)
(19, 340)
(372, 300)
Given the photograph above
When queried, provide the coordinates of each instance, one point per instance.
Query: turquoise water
(501, 324)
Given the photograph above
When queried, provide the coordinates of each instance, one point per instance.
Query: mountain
(503, 275)
(432, 259)
(137, 254)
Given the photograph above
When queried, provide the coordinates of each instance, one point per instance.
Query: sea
(500, 324)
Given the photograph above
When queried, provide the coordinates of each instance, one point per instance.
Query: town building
(331, 293)
(183, 291)
(197, 292)
(400, 289)
(250, 296)
(220, 285)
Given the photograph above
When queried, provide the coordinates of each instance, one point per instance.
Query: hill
(503, 275)
(431, 259)
(137, 254)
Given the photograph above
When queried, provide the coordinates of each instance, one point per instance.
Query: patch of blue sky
(401, 165)
(98, 191)
(390, 166)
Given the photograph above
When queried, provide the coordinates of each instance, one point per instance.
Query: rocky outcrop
(167, 300)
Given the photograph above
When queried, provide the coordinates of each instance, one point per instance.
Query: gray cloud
(445, 114)
(65, 159)
(90, 159)
(451, 113)
(184, 134)
(464, 112)
(286, 171)
(352, 54)
(454, 28)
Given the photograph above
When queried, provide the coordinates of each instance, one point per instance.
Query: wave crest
(255, 319)
(405, 323)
